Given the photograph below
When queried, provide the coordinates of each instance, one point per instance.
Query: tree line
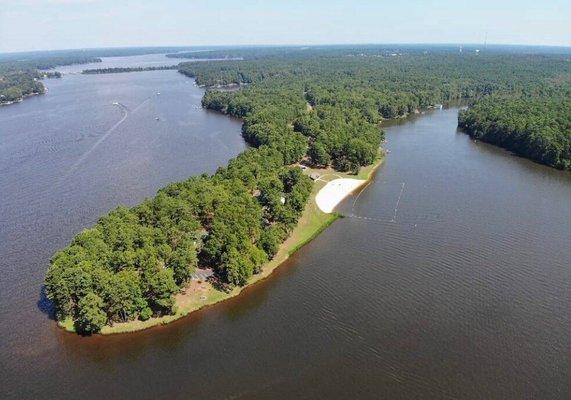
(116, 70)
(20, 73)
(538, 128)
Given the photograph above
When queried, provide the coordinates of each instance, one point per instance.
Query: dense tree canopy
(535, 127)
(133, 261)
(349, 90)
(15, 85)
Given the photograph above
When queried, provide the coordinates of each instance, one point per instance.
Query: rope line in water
(372, 219)
(389, 221)
(398, 203)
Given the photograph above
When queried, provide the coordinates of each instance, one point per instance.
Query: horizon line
(291, 45)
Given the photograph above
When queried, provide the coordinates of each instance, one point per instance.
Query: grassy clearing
(201, 294)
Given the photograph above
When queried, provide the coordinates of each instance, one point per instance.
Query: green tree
(160, 287)
(123, 296)
(183, 262)
(90, 315)
(237, 267)
(319, 155)
(271, 239)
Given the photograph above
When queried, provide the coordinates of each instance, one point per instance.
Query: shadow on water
(45, 305)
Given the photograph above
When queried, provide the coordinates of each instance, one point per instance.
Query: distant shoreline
(21, 99)
(118, 70)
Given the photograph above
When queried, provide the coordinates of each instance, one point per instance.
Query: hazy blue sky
(61, 24)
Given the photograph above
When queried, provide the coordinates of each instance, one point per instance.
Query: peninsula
(312, 119)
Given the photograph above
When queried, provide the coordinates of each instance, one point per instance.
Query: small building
(314, 176)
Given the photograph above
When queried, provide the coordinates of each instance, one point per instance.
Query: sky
(67, 24)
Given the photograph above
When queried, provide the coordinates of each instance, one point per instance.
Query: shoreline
(24, 97)
(198, 295)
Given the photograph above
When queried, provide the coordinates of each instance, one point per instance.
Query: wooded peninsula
(116, 70)
(318, 107)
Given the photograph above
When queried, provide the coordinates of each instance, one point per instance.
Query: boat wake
(126, 112)
(109, 131)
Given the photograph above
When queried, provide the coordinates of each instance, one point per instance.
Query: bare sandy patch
(335, 191)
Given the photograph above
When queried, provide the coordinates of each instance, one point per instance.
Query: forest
(321, 107)
(538, 128)
(133, 261)
(16, 84)
(351, 90)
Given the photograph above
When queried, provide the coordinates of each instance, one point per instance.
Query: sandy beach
(335, 191)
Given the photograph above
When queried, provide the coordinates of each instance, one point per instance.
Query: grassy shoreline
(198, 295)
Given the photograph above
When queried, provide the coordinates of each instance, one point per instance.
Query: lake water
(449, 279)
(146, 60)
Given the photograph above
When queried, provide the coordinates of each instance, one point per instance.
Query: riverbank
(197, 294)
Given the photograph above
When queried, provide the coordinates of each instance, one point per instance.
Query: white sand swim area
(335, 191)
